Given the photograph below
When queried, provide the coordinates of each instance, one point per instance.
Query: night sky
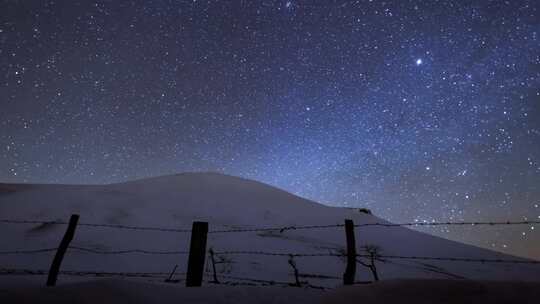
(418, 110)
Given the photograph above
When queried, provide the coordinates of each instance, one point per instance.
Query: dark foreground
(394, 291)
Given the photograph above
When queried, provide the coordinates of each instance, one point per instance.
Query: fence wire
(140, 251)
(33, 251)
(451, 259)
(501, 223)
(300, 255)
(280, 254)
(96, 225)
(96, 273)
(277, 254)
(229, 279)
(278, 229)
(238, 281)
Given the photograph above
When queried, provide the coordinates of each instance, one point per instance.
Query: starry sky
(418, 110)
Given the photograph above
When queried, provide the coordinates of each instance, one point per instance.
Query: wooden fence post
(350, 271)
(64, 244)
(197, 253)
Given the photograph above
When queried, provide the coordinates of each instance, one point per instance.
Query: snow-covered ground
(225, 202)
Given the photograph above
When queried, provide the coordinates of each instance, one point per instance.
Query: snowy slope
(225, 202)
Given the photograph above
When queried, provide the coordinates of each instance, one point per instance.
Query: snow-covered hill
(225, 202)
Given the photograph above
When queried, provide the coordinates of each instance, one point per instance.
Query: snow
(225, 202)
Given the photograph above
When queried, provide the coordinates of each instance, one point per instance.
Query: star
(334, 98)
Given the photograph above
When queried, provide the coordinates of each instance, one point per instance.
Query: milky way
(418, 110)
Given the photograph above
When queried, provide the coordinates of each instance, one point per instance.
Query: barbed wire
(95, 251)
(7, 221)
(156, 275)
(319, 276)
(95, 225)
(251, 279)
(120, 274)
(141, 251)
(266, 282)
(22, 271)
(137, 228)
(451, 259)
(33, 251)
(449, 224)
(265, 253)
(12, 271)
(278, 229)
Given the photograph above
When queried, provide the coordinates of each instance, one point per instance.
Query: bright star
(419, 61)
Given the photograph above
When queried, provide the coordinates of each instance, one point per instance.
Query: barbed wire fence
(198, 238)
(281, 228)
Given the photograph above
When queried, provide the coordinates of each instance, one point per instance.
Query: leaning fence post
(350, 271)
(197, 253)
(64, 244)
